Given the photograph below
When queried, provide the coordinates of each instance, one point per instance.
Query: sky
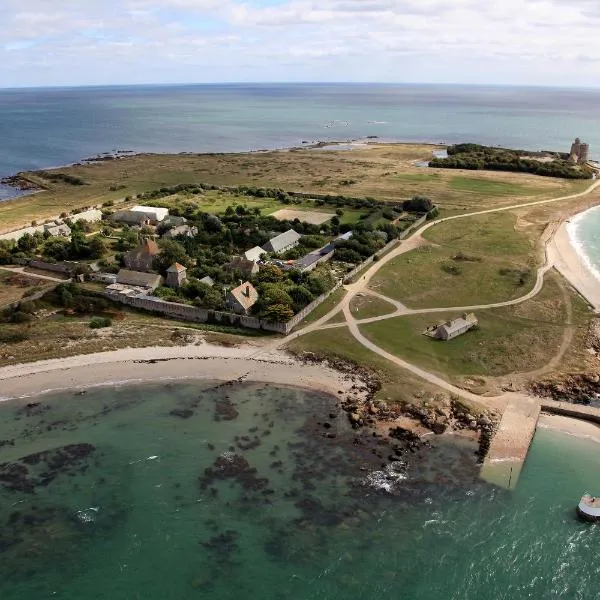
(96, 42)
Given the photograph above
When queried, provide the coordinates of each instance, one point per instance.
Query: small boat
(588, 508)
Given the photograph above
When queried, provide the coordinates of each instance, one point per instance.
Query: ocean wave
(574, 226)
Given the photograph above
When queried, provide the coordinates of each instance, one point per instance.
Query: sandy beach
(574, 427)
(566, 260)
(138, 365)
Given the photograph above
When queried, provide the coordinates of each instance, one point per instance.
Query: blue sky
(80, 42)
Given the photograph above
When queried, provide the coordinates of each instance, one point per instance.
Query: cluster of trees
(282, 196)
(476, 157)
(72, 296)
(360, 246)
(78, 247)
(282, 294)
(61, 177)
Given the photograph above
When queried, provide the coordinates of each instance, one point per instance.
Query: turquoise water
(197, 490)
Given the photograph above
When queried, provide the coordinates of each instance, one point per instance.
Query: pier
(508, 450)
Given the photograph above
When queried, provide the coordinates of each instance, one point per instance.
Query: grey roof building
(184, 230)
(282, 242)
(149, 281)
(451, 329)
(254, 254)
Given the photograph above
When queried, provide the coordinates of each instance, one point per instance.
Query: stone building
(282, 242)
(451, 329)
(142, 257)
(240, 264)
(242, 298)
(580, 152)
(176, 275)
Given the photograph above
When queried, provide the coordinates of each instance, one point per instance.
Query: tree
(171, 252)
(269, 274)
(78, 247)
(278, 313)
(57, 247)
(128, 239)
(301, 296)
(27, 243)
(97, 247)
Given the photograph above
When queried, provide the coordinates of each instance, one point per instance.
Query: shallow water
(166, 504)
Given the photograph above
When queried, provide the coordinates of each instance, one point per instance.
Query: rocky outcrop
(578, 388)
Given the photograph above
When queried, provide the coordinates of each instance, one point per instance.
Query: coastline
(572, 266)
(141, 365)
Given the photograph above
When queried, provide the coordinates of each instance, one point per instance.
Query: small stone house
(242, 298)
(142, 257)
(451, 329)
(176, 275)
(240, 264)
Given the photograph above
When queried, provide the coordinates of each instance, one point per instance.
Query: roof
(149, 247)
(307, 261)
(239, 263)
(281, 241)
(467, 320)
(254, 253)
(247, 300)
(161, 213)
(345, 236)
(138, 278)
(176, 268)
(208, 281)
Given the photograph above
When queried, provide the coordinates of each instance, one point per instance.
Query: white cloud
(502, 41)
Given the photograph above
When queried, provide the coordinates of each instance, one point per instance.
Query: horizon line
(295, 83)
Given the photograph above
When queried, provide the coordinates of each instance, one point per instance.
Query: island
(313, 258)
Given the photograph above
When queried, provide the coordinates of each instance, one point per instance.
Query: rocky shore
(407, 425)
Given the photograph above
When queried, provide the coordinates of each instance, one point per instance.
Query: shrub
(100, 322)
(451, 269)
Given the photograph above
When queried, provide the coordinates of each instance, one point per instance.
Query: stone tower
(579, 152)
(176, 275)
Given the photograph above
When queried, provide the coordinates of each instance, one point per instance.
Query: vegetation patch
(477, 157)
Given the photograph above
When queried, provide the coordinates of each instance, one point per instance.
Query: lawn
(477, 260)
(423, 279)
(366, 306)
(382, 171)
(485, 235)
(512, 339)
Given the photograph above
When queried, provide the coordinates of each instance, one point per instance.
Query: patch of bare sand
(313, 217)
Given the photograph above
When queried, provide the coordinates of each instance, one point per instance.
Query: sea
(187, 490)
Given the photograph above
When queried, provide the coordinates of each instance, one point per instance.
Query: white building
(282, 242)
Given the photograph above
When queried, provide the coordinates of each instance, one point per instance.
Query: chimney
(247, 291)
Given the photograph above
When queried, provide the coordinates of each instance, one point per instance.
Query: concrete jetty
(575, 411)
(508, 450)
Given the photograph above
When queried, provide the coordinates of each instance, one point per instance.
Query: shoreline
(572, 265)
(144, 365)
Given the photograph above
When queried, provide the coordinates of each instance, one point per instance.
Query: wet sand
(137, 365)
(571, 266)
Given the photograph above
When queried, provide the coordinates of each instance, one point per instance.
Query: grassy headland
(382, 171)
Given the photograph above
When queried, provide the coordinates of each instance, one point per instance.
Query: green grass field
(512, 339)
(366, 306)
(478, 260)
(323, 308)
